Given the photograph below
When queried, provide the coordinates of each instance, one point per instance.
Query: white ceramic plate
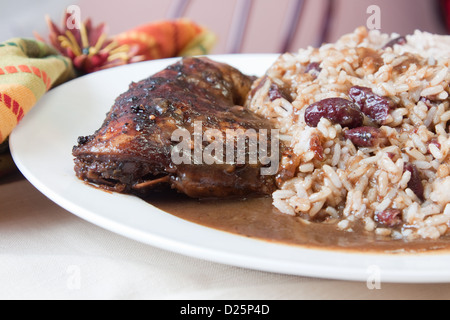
(41, 147)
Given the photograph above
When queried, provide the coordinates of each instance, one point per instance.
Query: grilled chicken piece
(132, 151)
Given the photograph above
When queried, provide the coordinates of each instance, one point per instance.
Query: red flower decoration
(89, 47)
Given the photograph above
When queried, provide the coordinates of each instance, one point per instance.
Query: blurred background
(242, 26)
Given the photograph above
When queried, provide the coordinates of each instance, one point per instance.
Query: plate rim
(306, 269)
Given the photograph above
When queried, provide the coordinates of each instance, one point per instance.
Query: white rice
(350, 185)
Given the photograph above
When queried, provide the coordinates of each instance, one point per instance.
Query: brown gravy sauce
(257, 218)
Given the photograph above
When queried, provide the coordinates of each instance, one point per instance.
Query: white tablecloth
(48, 253)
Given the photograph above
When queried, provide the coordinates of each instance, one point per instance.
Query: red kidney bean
(374, 106)
(276, 92)
(415, 184)
(337, 110)
(400, 41)
(313, 69)
(365, 137)
(390, 218)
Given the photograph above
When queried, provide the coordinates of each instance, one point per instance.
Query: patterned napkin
(166, 39)
(28, 69)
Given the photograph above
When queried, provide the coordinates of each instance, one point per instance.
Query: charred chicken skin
(132, 151)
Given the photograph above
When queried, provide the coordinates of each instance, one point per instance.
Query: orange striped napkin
(168, 38)
(28, 69)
